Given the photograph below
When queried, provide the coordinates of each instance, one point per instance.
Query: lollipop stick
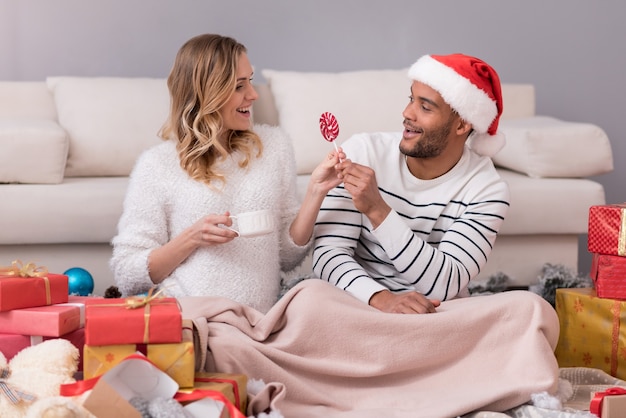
(337, 149)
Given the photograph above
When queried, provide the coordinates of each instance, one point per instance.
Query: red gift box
(133, 321)
(11, 344)
(609, 275)
(28, 292)
(607, 229)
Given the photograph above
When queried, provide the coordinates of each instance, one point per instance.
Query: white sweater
(162, 201)
(436, 238)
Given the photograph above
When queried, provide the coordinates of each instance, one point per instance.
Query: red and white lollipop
(329, 128)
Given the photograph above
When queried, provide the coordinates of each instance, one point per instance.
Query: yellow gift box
(593, 331)
(175, 359)
(233, 386)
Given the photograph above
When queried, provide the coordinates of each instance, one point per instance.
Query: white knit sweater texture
(162, 201)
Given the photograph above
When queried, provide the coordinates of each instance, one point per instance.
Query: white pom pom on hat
(472, 88)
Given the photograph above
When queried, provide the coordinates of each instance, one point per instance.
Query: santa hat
(472, 88)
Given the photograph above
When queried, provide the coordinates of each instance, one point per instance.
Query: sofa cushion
(26, 100)
(35, 151)
(70, 212)
(362, 101)
(543, 146)
(110, 121)
(549, 205)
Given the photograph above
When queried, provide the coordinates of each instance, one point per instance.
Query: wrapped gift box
(207, 403)
(28, 292)
(233, 386)
(123, 321)
(128, 379)
(176, 359)
(593, 331)
(109, 394)
(609, 275)
(105, 402)
(11, 344)
(607, 229)
(47, 321)
(609, 404)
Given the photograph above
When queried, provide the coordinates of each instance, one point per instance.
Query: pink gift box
(47, 321)
(11, 344)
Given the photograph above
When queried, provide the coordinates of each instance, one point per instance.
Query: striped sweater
(436, 238)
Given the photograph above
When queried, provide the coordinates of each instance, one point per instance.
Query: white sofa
(69, 143)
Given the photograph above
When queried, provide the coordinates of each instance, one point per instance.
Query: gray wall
(573, 51)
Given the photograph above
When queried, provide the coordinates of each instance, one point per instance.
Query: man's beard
(432, 143)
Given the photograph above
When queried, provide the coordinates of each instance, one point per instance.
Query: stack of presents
(593, 320)
(130, 348)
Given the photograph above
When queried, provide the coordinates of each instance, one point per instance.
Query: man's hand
(406, 303)
(360, 182)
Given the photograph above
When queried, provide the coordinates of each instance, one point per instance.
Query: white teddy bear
(31, 381)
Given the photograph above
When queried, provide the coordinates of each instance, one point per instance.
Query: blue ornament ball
(80, 281)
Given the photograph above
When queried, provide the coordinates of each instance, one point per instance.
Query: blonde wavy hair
(202, 80)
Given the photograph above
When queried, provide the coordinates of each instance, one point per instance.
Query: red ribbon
(595, 407)
(198, 394)
(81, 386)
(231, 382)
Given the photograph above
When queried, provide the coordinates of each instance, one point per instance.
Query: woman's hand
(211, 230)
(323, 179)
(204, 233)
(326, 176)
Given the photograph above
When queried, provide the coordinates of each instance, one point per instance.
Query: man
(418, 212)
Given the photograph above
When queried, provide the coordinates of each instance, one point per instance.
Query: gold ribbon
(621, 240)
(615, 310)
(28, 270)
(14, 395)
(136, 302)
(19, 269)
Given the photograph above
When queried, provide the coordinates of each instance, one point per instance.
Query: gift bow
(14, 395)
(135, 302)
(595, 407)
(19, 269)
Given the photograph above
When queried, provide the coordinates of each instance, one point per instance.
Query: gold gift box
(593, 331)
(233, 386)
(175, 359)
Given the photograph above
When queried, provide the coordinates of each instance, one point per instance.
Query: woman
(174, 230)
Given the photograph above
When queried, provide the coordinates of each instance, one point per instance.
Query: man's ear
(463, 128)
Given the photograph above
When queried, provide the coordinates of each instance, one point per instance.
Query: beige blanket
(323, 353)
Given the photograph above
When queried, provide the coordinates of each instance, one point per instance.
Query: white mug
(252, 224)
